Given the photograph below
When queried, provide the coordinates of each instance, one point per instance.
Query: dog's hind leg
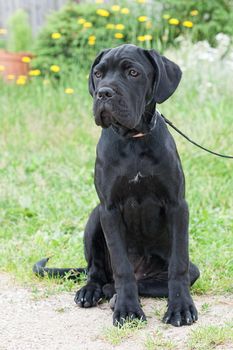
(99, 268)
(158, 286)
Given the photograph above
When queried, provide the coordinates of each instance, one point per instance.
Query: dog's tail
(41, 270)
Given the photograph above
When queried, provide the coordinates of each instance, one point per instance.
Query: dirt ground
(56, 323)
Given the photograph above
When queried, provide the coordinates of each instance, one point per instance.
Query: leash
(193, 142)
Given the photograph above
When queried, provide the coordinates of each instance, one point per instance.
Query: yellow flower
(188, 24)
(110, 26)
(142, 19)
(166, 16)
(81, 20)
(125, 11)
(2, 68)
(148, 37)
(87, 25)
(119, 35)
(21, 80)
(102, 12)
(92, 37)
(54, 68)
(3, 31)
(141, 1)
(69, 91)
(174, 21)
(120, 26)
(91, 42)
(141, 38)
(99, 1)
(55, 36)
(34, 72)
(10, 77)
(115, 8)
(26, 59)
(194, 13)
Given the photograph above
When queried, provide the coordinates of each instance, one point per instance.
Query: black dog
(136, 239)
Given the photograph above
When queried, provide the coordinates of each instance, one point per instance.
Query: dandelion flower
(34, 72)
(69, 91)
(125, 11)
(54, 68)
(56, 36)
(174, 21)
(194, 13)
(26, 59)
(141, 38)
(142, 18)
(2, 68)
(99, 1)
(81, 20)
(21, 80)
(120, 26)
(119, 35)
(110, 26)
(87, 25)
(92, 37)
(188, 24)
(115, 8)
(148, 37)
(102, 12)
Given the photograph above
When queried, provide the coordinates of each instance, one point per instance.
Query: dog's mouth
(108, 119)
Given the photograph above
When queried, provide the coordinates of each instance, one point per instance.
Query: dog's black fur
(136, 239)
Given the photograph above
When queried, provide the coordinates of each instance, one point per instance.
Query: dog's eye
(98, 74)
(133, 73)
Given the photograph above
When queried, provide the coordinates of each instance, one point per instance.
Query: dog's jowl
(136, 239)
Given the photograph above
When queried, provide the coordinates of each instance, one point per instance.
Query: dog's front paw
(181, 312)
(88, 295)
(127, 311)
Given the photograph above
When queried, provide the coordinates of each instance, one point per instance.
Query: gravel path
(56, 323)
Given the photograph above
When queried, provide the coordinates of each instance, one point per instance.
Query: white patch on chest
(137, 178)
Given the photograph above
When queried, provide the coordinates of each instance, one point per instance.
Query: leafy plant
(73, 36)
(20, 34)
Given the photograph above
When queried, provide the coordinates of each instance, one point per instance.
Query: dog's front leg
(181, 309)
(127, 303)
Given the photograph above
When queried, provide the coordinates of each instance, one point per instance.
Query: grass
(116, 335)
(48, 140)
(157, 341)
(210, 337)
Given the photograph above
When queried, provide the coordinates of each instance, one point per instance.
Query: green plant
(73, 36)
(20, 34)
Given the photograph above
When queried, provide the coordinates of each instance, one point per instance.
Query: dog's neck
(149, 119)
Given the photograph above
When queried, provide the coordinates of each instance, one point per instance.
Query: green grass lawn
(47, 142)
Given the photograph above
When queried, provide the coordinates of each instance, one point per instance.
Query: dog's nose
(105, 93)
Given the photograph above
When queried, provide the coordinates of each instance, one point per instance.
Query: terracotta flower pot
(14, 65)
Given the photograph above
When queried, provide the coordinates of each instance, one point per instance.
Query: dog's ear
(167, 76)
(96, 61)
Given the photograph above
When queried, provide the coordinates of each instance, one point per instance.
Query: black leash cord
(193, 142)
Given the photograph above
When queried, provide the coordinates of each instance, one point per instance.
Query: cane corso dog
(136, 239)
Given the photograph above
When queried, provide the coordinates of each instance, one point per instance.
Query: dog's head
(126, 83)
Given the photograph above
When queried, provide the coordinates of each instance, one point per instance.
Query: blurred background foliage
(75, 34)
